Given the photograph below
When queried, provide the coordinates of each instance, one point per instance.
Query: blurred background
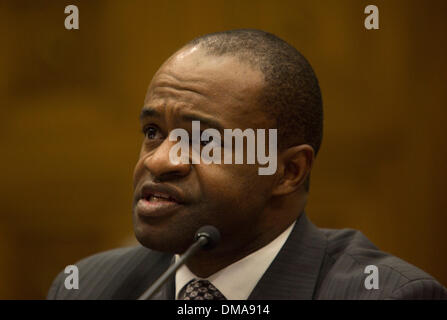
(69, 130)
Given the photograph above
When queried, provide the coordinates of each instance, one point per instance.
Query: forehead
(220, 86)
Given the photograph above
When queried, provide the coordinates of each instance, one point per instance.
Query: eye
(151, 132)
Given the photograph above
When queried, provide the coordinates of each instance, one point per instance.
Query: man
(244, 79)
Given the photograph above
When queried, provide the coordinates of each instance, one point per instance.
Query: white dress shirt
(238, 280)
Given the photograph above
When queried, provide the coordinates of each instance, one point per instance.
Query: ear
(294, 166)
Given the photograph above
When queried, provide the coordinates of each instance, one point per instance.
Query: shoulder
(114, 257)
(102, 274)
(355, 268)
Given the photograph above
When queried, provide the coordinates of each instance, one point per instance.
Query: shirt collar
(238, 280)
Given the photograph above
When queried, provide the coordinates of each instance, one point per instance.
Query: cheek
(138, 170)
(238, 186)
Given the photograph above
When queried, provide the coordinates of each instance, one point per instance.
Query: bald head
(292, 92)
(291, 95)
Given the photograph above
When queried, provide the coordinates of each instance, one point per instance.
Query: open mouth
(158, 201)
(158, 197)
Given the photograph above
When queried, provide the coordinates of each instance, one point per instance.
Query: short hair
(292, 94)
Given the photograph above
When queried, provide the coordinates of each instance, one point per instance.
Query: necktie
(200, 290)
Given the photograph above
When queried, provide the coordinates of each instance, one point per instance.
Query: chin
(162, 240)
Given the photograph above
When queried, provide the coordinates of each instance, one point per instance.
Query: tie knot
(200, 290)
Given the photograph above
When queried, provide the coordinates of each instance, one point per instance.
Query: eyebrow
(148, 112)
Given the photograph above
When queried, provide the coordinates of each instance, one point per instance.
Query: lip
(171, 200)
(154, 209)
(171, 192)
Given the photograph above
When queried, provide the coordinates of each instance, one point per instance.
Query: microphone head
(211, 233)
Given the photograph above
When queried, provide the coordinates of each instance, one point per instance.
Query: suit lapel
(147, 268)
(167, 291)
(294, 272)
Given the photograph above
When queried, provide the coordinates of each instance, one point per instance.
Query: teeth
(159, 197)
(155, 199)
(162, 196)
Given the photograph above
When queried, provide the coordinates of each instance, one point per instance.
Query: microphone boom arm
(201, 242)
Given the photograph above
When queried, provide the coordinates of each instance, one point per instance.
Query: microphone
(206, 238)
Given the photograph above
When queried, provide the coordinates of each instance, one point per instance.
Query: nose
(160, 165)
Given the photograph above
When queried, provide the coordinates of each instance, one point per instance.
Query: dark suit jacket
(314, 263)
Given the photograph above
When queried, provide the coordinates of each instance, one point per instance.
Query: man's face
(221, 93)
